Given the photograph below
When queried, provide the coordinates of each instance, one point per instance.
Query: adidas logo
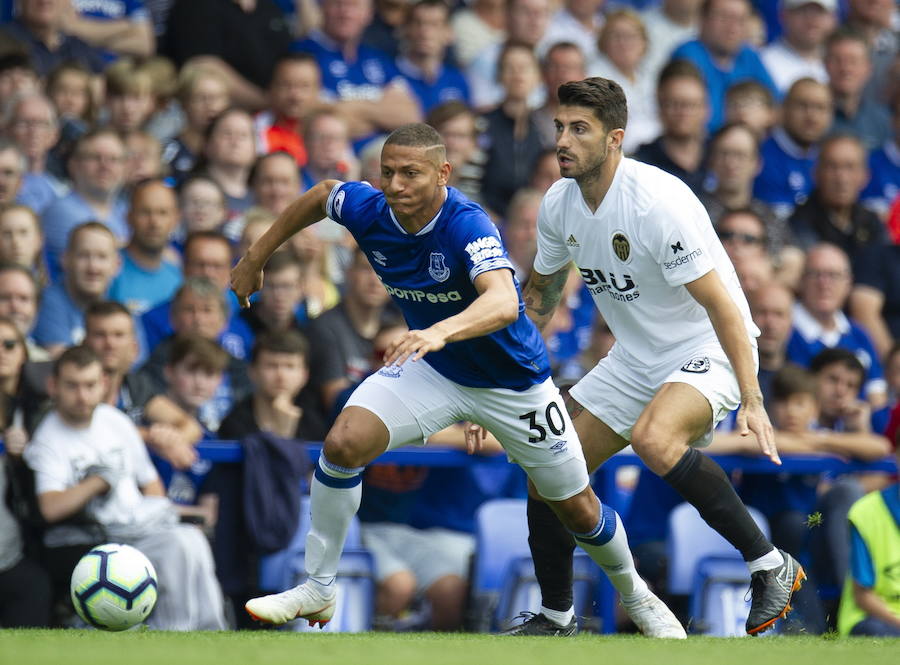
(571, 242)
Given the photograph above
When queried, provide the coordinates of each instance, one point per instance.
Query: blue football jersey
(430, 276)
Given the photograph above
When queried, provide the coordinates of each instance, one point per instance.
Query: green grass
(76, 647)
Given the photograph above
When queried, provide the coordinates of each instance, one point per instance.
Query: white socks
(334, 499)
(557, 617)
(766, 562)
(607, 545)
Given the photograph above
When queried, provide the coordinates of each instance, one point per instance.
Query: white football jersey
(649, 237)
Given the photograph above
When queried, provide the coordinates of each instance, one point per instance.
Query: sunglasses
(9, 344)
(746, 238)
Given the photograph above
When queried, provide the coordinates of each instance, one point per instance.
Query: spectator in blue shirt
(373, 95)
(423, 61)
(97, 168)
(848, 61)
(91, 262)
(820, 323)
(148, 276)
(39, 28)
(34, 127)
(884, 169)
(207, 254)
(118, 27)
(721, 53)
(790, 153)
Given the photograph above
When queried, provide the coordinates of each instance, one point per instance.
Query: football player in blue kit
(470, 354)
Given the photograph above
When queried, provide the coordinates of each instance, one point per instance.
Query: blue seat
(501, 537)
(705, 566)
(276, 569)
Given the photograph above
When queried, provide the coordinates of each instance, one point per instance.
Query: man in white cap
(798, 53)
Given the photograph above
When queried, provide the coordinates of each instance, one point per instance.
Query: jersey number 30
(552, 414)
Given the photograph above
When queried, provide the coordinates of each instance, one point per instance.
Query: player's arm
(58, 505)
(542, 294)
(728, 323)
(246, 276)
(153, 488)
(496, 307)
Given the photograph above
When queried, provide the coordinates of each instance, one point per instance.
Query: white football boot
(654, 619)
(305, 601)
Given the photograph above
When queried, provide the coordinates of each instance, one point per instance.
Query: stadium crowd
(145, 144)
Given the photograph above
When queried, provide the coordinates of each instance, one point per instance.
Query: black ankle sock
(552, 547)
(703, 484)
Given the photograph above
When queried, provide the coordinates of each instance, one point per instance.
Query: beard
(593, 167)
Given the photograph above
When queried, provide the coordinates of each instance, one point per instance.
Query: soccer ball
(114, 587)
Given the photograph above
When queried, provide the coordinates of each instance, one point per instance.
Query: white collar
(791, 147)
(812, 331)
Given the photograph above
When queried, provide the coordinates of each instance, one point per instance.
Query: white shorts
(429, 554)
(415, 401)
(619, 388)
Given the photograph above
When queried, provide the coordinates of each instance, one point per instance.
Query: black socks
(552, 548)
(704, 485)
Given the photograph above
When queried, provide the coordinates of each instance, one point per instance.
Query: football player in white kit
(685, 351)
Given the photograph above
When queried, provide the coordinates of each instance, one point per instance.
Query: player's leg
(552, 545)
(679, 415)
(357, 437)
(543, 440)
(390, 408)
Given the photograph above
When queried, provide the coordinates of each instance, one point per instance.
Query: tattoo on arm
(543, 293)
(573, 407)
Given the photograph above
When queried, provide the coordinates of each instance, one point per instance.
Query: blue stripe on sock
(337, 483)
(603, 532)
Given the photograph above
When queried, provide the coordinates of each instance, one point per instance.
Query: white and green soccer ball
(114, 587)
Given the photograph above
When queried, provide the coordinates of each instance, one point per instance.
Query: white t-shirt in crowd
(61, 455)
(649, 237)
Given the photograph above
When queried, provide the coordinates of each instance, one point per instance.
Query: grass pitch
(77, 647)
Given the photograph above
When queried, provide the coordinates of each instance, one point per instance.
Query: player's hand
(475, 436)
(752, 417)
(413, 344)
(246, 279)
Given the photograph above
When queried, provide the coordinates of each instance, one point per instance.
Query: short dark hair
(106, 308)
(281, 260)
(561, 46)
(744, 212)
(203, 353)
(838, 356)
(196, 236)
(426, 4)
(680, 69)
(792, 380)
(847, 33)
(751, 87)
(729, 127)
(295, 59)
(291, 342)
(7, 266)
(81, 356)
(604, 96)
(447, 111)
(415, 135)
(139, 186)
(262, 159)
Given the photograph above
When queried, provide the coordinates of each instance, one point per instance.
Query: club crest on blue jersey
(437, 267)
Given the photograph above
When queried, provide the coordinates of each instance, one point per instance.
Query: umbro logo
(380, 258)
(571, 242)
(677, 247)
